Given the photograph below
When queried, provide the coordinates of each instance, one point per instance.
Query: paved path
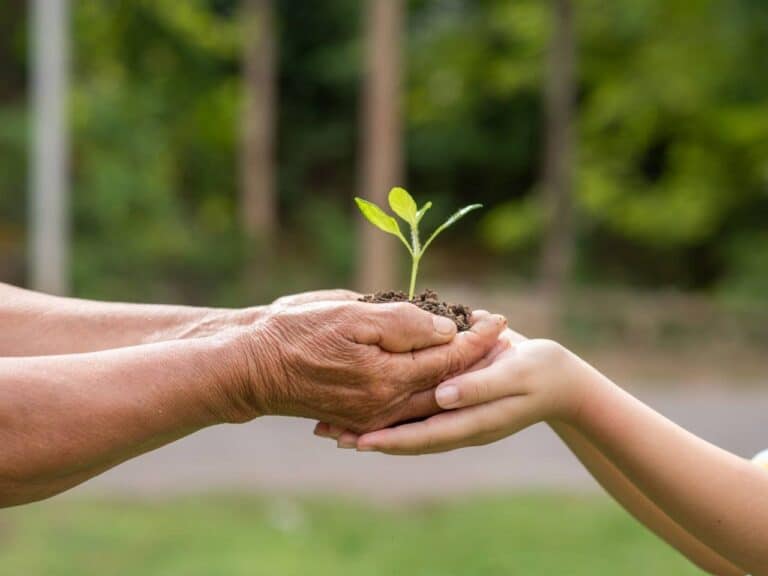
(281, 455)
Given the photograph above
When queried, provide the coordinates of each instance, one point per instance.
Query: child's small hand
(519, 383)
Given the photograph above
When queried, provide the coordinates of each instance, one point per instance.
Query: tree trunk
(557, 254)
(381, 148)
(258, 208)
(49, 206)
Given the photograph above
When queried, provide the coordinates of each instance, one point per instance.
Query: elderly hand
(518, 383)
(357, 365)
(332, 295)
(211, 321)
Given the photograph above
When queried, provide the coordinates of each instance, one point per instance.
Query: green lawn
(526, 535)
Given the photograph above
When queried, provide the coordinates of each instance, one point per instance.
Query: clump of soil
(427, 300)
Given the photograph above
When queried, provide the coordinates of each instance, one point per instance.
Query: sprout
(405, 207)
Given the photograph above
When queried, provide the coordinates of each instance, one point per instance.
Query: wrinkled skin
(333, 295)
(360, 366)
(509, 389)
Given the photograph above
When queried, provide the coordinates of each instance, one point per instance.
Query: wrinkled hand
(520, 382)
(357, 365)
(212, 321)
(334, 295)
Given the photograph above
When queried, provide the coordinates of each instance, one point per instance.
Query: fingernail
(346, 444)
(443, 325)
(447, 396)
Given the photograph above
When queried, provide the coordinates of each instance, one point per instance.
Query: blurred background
(207, 152)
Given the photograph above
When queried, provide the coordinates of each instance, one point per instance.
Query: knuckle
(545, 351)
(480, 391)
(395, 316)
(550, 347)
(406, 315)
(382, 394)
(457, 362)
(531, 361)
(401, 309)
(429, 439)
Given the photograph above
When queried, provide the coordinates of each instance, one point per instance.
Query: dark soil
(427, 300)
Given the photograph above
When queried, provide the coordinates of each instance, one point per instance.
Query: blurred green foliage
(672, 139)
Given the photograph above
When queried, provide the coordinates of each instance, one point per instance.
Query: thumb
(403, 327)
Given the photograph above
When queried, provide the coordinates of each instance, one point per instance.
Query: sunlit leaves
(380, 219)
(403, 204)
(423, 210)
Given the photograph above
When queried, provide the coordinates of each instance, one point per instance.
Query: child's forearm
(643, 509)
(719, 498)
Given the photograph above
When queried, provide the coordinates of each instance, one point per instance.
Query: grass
(526, 534)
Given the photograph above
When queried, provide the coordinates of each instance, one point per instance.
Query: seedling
(405, 207)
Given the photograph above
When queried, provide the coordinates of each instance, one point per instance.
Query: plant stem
(415, 258)
(414, 273)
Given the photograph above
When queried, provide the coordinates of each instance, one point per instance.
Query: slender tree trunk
(381, 147)
(49, 202)
(258, 208)
(557, 254)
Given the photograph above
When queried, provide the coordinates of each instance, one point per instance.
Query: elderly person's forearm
(36, 324)
(64, 419)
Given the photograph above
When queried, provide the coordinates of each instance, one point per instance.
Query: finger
(418, 406)
(347, 440)
(502, 344)
(477, 387)
(326, 430)
(513, 337)
(335, 431)
(450, 430)
(427, 368)
(402, 327)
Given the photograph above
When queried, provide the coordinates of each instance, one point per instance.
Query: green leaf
(403, 205)
(450, 222)
(378, 217)
(381, 219)
(422, 211)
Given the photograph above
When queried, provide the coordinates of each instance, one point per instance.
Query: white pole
(49, 202)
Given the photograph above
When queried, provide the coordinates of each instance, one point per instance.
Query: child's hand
(519, 383)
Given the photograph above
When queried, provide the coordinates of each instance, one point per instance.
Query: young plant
(405, 207)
